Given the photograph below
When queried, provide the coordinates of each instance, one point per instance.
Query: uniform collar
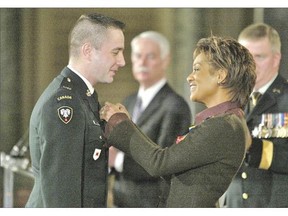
(264, 88)
(76, 80)
(216, 110)
(88, 84)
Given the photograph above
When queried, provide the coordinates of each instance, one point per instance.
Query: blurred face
(106, 61)
(147, 65)
(267, 62)
(203, 84)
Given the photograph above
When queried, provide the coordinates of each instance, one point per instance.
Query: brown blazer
(203, 164)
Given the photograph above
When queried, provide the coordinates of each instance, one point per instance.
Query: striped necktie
(254, 100)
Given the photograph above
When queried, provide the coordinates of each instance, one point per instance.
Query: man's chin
(110, 80)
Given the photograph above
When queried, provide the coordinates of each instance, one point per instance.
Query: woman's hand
(110, 109)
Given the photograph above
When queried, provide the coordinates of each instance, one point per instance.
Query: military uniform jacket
(69, 159)
(202, 165)
(265, 187)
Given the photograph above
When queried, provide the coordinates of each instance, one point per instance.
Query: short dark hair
(103, 20)
(91, 27)
(230, 55)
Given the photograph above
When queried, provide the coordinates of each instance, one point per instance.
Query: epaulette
(65, 84)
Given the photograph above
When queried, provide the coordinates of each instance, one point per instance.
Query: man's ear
(86, 50)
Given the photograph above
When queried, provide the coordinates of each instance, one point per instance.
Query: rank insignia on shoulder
(65, 114)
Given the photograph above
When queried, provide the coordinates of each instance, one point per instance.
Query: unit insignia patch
(65, 114)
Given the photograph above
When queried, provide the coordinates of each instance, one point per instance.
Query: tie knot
(138, 101)
(255, 97)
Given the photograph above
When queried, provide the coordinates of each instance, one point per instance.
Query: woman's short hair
(230, 55)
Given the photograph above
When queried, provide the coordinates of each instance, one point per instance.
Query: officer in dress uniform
(262, 179)
(68, 152)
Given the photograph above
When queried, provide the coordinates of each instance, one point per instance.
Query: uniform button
(244, 175)
(100, 137)
(245, 196)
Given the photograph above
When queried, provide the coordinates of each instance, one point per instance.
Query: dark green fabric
(203, 164)
(66, 175)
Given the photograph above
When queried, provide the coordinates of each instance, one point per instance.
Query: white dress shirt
(89, 85)
(146, 95)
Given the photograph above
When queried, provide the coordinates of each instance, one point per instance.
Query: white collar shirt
(88, 84)
(264, 88)
(148, 94)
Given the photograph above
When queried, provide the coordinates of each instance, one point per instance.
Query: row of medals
(273, 125)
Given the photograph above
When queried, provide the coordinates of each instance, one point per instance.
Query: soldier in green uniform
(68, 152)
(261, 181)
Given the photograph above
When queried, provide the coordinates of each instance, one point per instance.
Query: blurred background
(34, 49)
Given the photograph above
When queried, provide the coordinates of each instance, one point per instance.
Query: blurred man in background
(262, 180)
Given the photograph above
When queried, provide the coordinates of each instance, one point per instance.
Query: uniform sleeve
(62, 128)
(269, 154)
(208, 143)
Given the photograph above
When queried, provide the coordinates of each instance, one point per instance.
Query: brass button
(244, 175)
(245, 196)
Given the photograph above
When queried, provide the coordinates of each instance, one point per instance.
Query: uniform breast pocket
(95, 133)
(95, 140)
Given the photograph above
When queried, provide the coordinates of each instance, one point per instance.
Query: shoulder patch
(66, 97)
(65, 113)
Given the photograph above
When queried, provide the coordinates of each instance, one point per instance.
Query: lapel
(155, 104)
(94, 105)
(268, 99)
(130, 103)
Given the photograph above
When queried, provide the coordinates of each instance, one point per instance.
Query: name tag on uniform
(96, 154)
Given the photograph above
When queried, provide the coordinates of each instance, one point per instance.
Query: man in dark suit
(262, 179)
(159, 111)
(68, 153)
